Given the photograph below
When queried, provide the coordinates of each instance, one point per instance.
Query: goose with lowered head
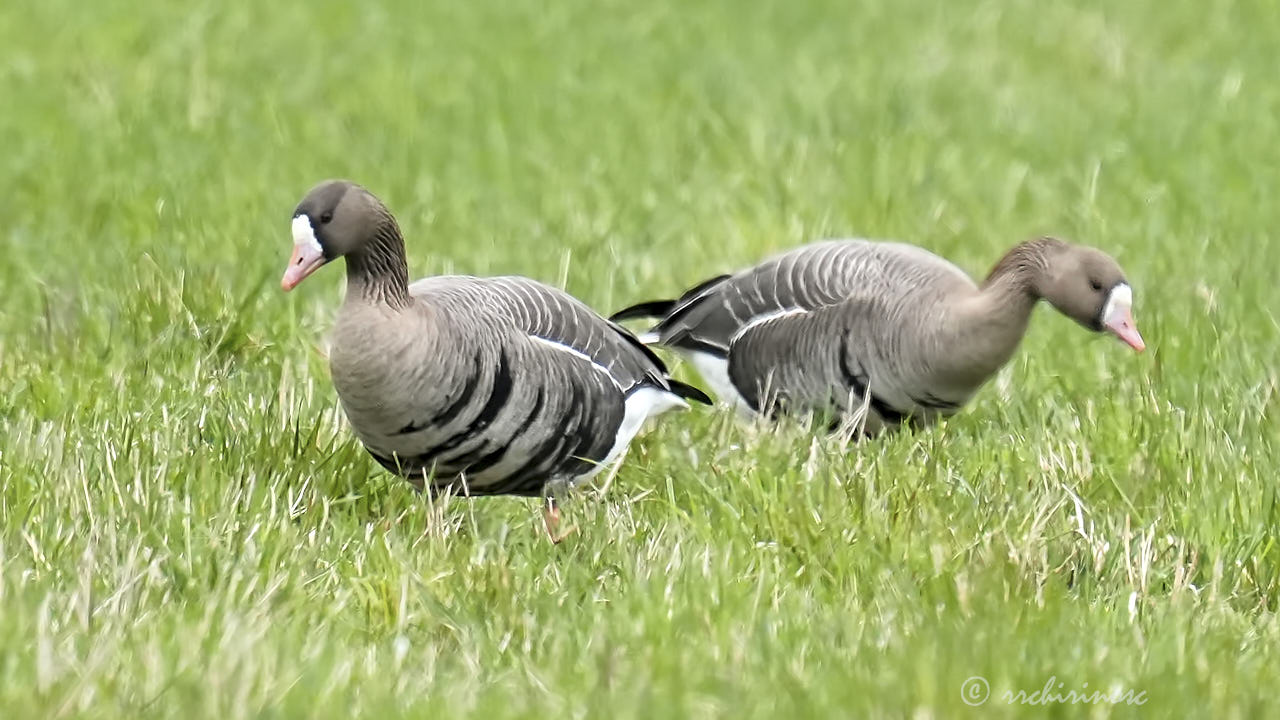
(876, 333)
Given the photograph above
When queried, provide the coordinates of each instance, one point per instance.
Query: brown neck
(989, 325)
(377, 272)
(1018, 274)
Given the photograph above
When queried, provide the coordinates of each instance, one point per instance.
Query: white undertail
(645, 403)
(715, 373)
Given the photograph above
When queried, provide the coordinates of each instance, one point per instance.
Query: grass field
(188, 530)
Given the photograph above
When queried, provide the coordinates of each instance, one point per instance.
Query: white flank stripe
(578, 353)
(762, 319)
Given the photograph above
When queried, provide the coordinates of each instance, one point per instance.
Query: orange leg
(551, 516)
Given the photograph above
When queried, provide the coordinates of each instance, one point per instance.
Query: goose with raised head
(877, 333)
(480, 386)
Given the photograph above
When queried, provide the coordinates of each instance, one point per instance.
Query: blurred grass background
(188, 530)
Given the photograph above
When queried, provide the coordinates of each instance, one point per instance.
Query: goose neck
(377, 272)
(988, 325)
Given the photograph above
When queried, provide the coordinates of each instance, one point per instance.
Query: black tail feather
(660, 309)
(701, 287)
(655, 309)
(688, 392)
(635, 343)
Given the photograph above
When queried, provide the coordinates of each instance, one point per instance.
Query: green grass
(187, 529)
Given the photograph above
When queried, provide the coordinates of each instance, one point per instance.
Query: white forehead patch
(1120, 298)
(304, 234)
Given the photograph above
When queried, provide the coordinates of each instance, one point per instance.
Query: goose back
(493, 385)
(832, 325)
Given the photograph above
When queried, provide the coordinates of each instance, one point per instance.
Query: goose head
(336, 218)
(1088, 286)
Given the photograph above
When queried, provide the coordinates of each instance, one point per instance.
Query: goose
(476, 386)
(875, 334)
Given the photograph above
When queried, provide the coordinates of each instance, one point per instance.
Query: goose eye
(1097, 286)
(326, 217)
